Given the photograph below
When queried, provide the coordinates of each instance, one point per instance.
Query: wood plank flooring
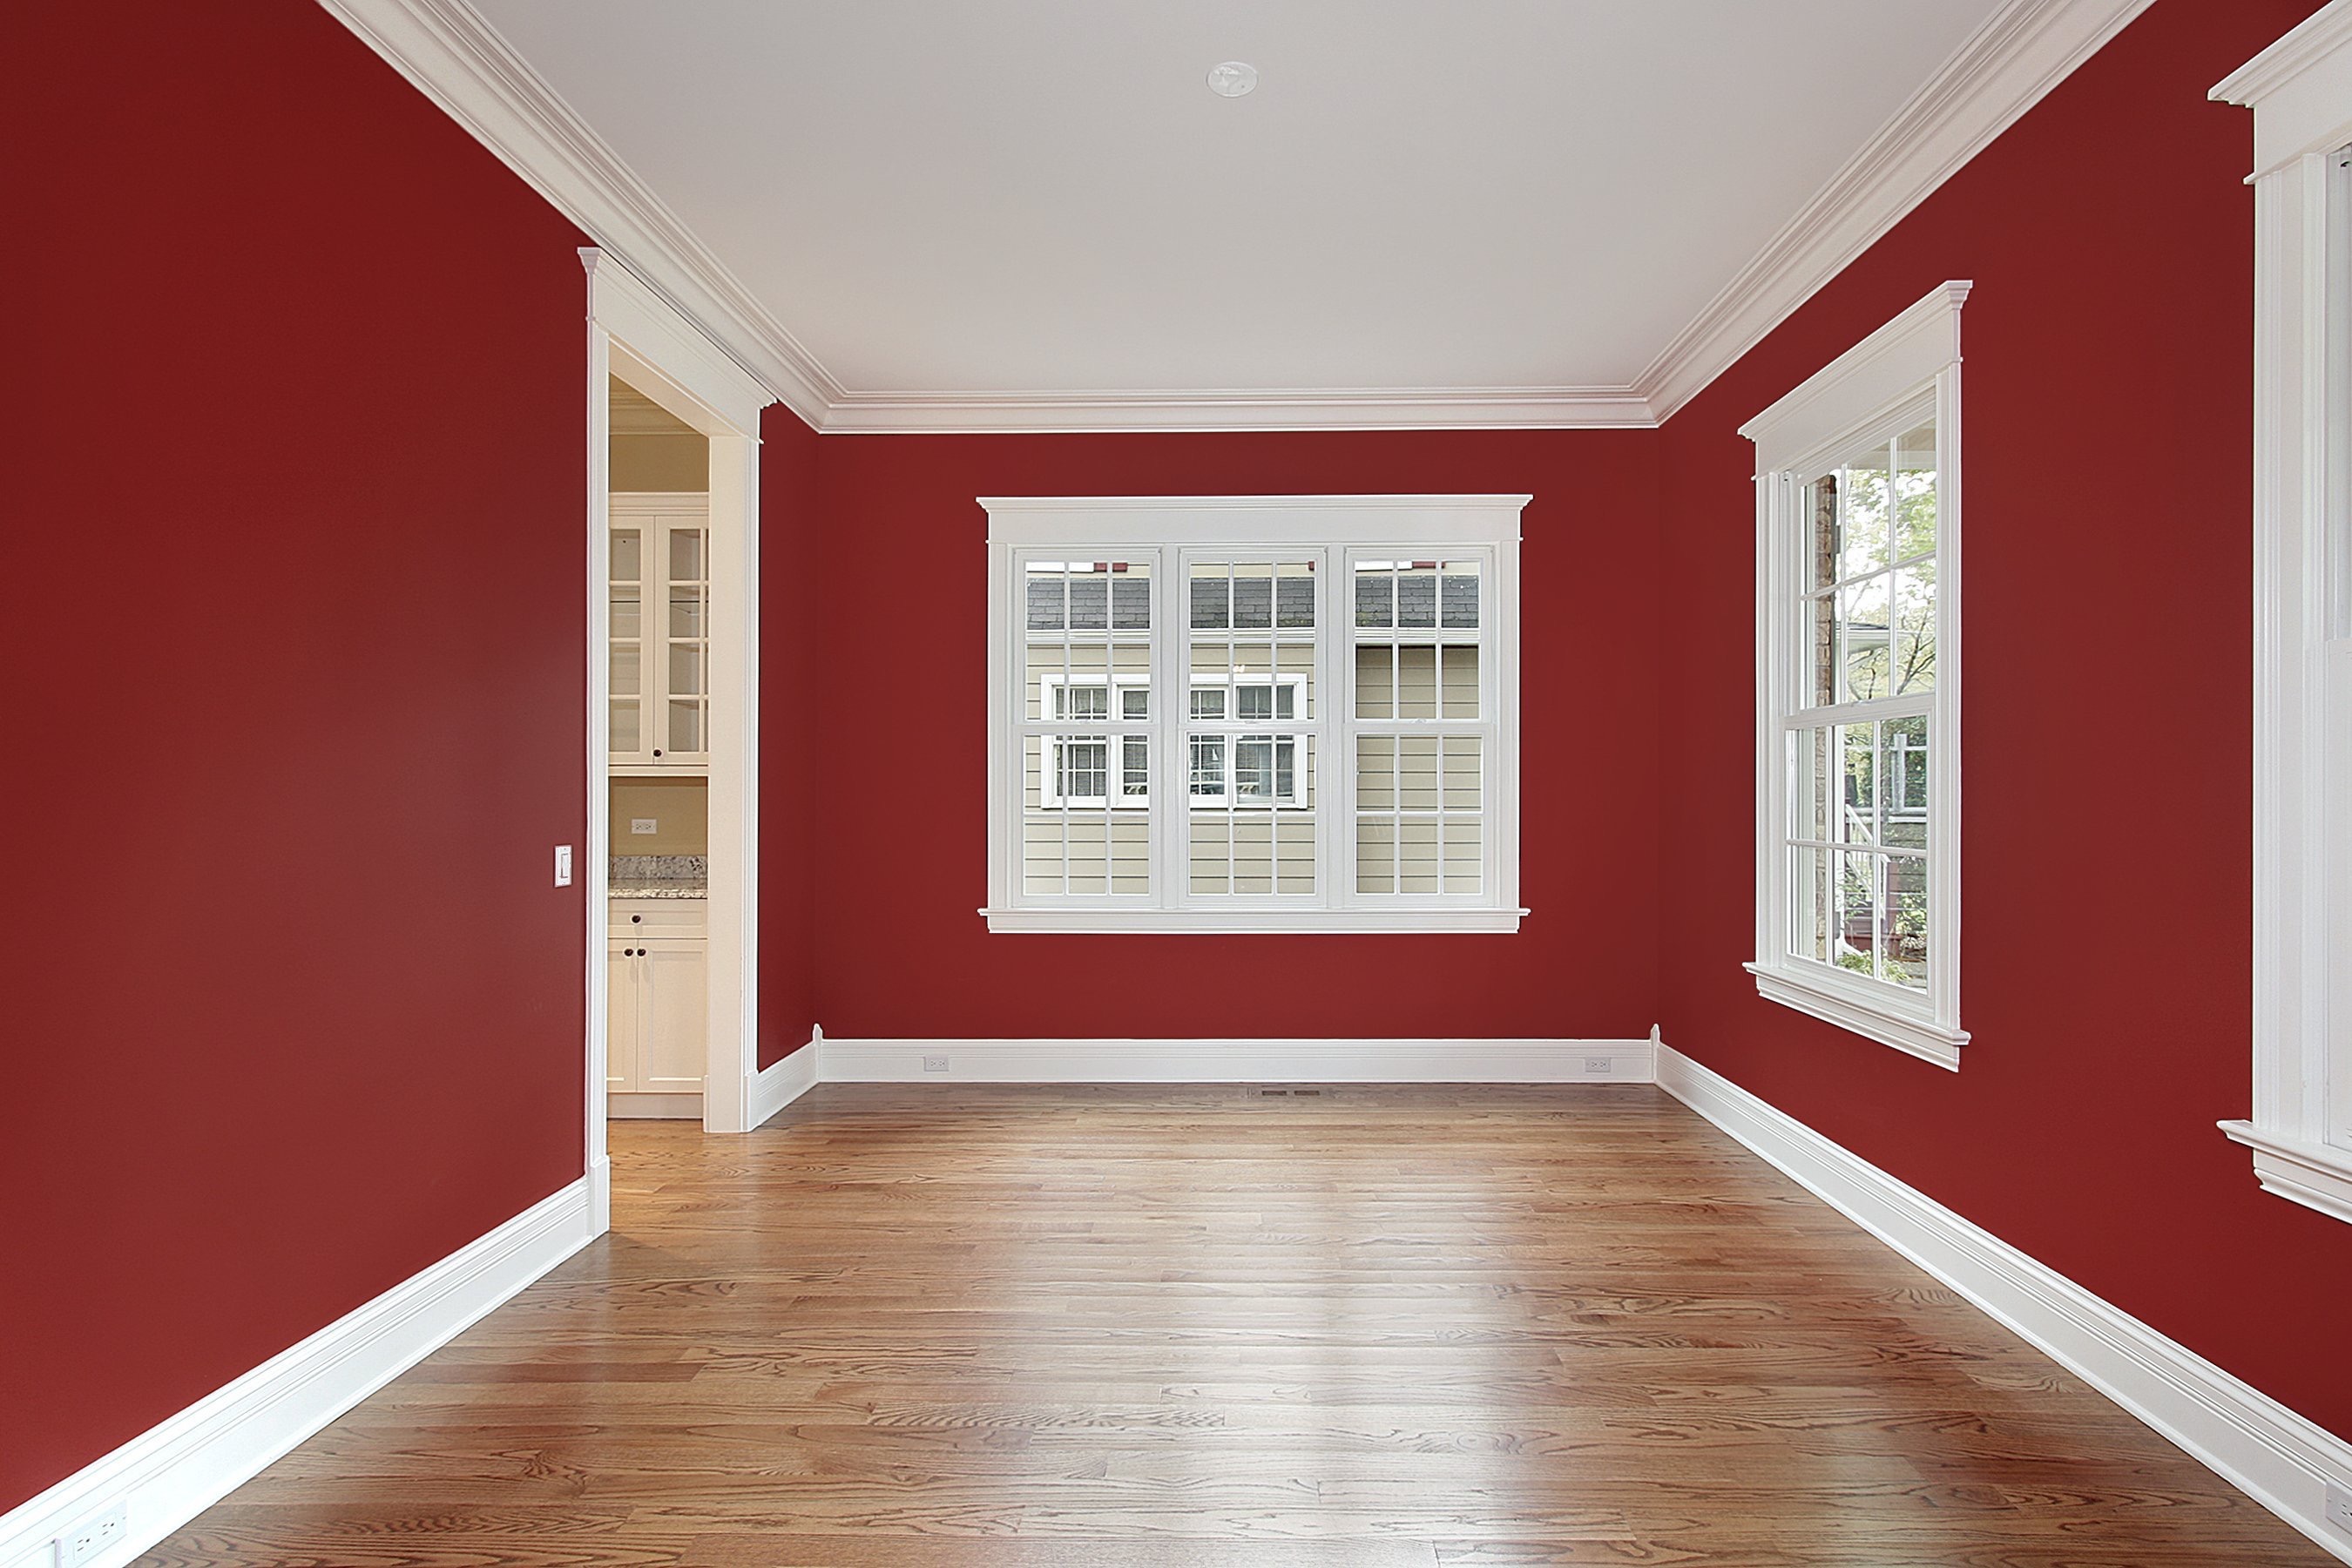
(961, 1326)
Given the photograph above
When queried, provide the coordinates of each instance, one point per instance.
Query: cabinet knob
(634, 919)
(656, 750)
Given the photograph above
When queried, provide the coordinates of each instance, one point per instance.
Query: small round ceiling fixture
(1233, 78)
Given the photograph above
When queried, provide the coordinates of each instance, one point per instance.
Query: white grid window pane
(1382, 667)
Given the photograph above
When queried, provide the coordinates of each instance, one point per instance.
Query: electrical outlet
(1598, 1064)
(935, 1064)
(93, 1537)
(2340, 1507)
(642, 825)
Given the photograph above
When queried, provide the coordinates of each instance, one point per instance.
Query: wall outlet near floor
(935, 1064)
(1599, 1064)
(93, 1537)
(644, 825)
(2340, 1507)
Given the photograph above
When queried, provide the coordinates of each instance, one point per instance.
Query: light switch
(563, 865)
(644, 825)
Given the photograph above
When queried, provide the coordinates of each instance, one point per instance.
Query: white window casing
(1898, 384)
(1266, 782)
(2300, 89)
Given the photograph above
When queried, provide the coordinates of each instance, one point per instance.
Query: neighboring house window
(1857, 482)
(2300, 89)
(1341, 751)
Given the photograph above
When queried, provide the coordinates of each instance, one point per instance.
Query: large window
(1858, 779)
(2301, 1131)
(1283, 713)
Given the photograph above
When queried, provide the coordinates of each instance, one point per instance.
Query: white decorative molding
(182, 1466)
(2300, 89)
(455, 58)
(2280, 1459)
(1919, 1036)
(2022, 50)
(2317, 1175)
(1889, 365)
(1236, 1061)
(670, 349)
(781, 1082)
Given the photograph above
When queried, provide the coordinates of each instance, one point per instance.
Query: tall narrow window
(1857, 687)
(1290, 713)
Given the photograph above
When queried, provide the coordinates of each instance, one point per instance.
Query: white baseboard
(1235, 1061)
(2250, 1440)
(174, 1470)
(780, 1083)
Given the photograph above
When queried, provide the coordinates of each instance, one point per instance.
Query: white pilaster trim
(1552, 1061)
(183, 1465)
(2279, 1458)
(2300, 1131)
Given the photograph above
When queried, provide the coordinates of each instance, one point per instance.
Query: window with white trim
(1340, 751)
(1857, 488)
(2300, 1134)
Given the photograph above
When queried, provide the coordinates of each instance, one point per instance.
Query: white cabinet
(656, 1008)
(659, 600)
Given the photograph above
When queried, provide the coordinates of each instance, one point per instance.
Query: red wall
(790, 592)
(296, 623)
(2107, 726)
(901, 853)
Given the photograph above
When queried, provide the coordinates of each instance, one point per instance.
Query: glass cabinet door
(660, 601)
(630, 734)
(686, 672)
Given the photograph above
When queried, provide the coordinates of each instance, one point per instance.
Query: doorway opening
(673, 746)
(661, 582)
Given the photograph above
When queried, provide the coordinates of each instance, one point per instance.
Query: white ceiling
(1043, 198)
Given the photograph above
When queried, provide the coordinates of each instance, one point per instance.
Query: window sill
(2316, 1175)
(1256, 923)
(1861, 1016)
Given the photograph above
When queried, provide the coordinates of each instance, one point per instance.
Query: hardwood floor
(959, 1327)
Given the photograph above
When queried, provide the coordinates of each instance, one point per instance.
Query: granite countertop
(658, 876)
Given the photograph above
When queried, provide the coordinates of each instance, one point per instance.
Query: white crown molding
(455, 58)
(2279, 1458)
(189, 1461)
(452, 55)
(2006, 66)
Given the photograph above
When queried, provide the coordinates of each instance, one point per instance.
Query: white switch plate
(644, 825)
(563, 865)
(2340, 1507)
(93, 1537)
